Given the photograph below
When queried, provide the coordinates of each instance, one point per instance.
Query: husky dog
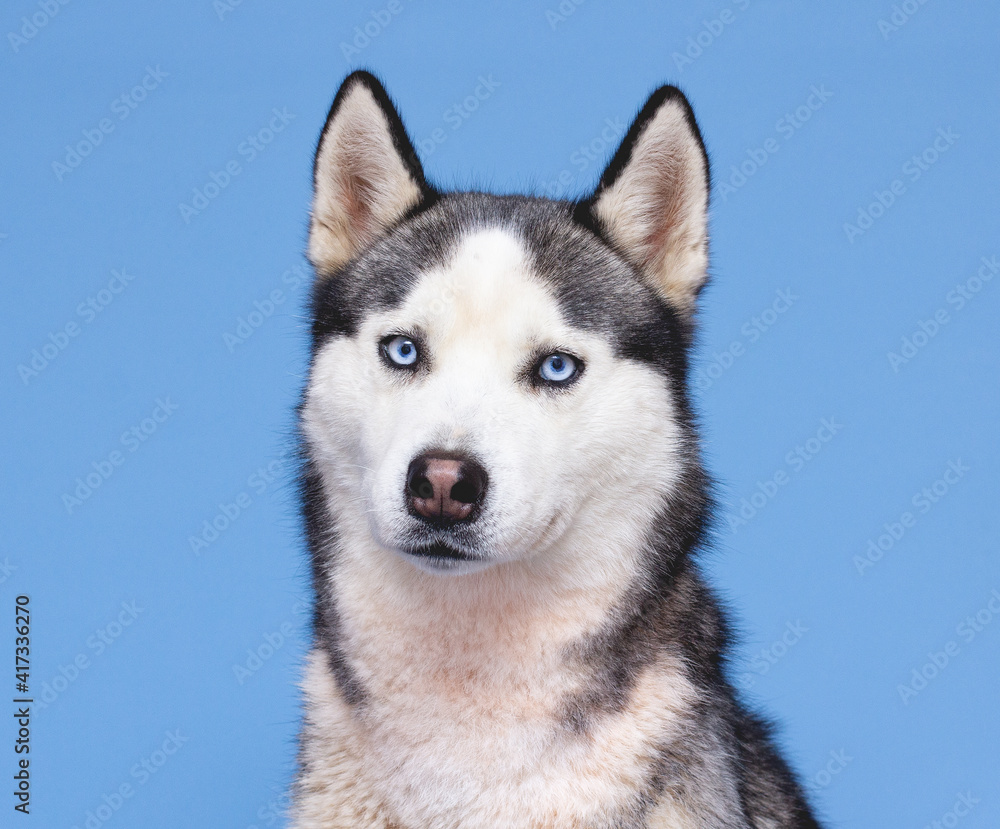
(503, 499)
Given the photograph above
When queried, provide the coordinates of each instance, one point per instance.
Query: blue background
(873, 754)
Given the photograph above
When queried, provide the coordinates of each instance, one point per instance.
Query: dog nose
(444, 488)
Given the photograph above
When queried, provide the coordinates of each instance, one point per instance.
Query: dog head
(500, 378)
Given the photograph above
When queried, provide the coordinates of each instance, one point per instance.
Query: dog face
(484, 366)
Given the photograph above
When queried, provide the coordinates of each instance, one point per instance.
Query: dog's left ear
(652, 200)
(366, 176)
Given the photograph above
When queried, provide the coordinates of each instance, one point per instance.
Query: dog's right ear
(366, 176)
(652, 201)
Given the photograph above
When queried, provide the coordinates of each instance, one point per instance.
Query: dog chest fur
(464, 725)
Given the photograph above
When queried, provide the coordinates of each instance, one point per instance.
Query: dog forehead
(517, 266)
(488, 285)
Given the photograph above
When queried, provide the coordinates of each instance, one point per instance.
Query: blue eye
(400, 350)
(557, 368)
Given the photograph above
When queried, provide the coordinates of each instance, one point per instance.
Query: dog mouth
(440, 558)
(440, 550)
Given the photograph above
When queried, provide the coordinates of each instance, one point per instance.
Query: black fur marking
(379, 278)
(780, 799)
(321, 537)
(668, 613)
(441, 550)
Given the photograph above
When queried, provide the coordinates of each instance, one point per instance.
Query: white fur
(466, 676)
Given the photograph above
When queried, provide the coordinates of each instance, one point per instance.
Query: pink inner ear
(356, 194)
(668, 194)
